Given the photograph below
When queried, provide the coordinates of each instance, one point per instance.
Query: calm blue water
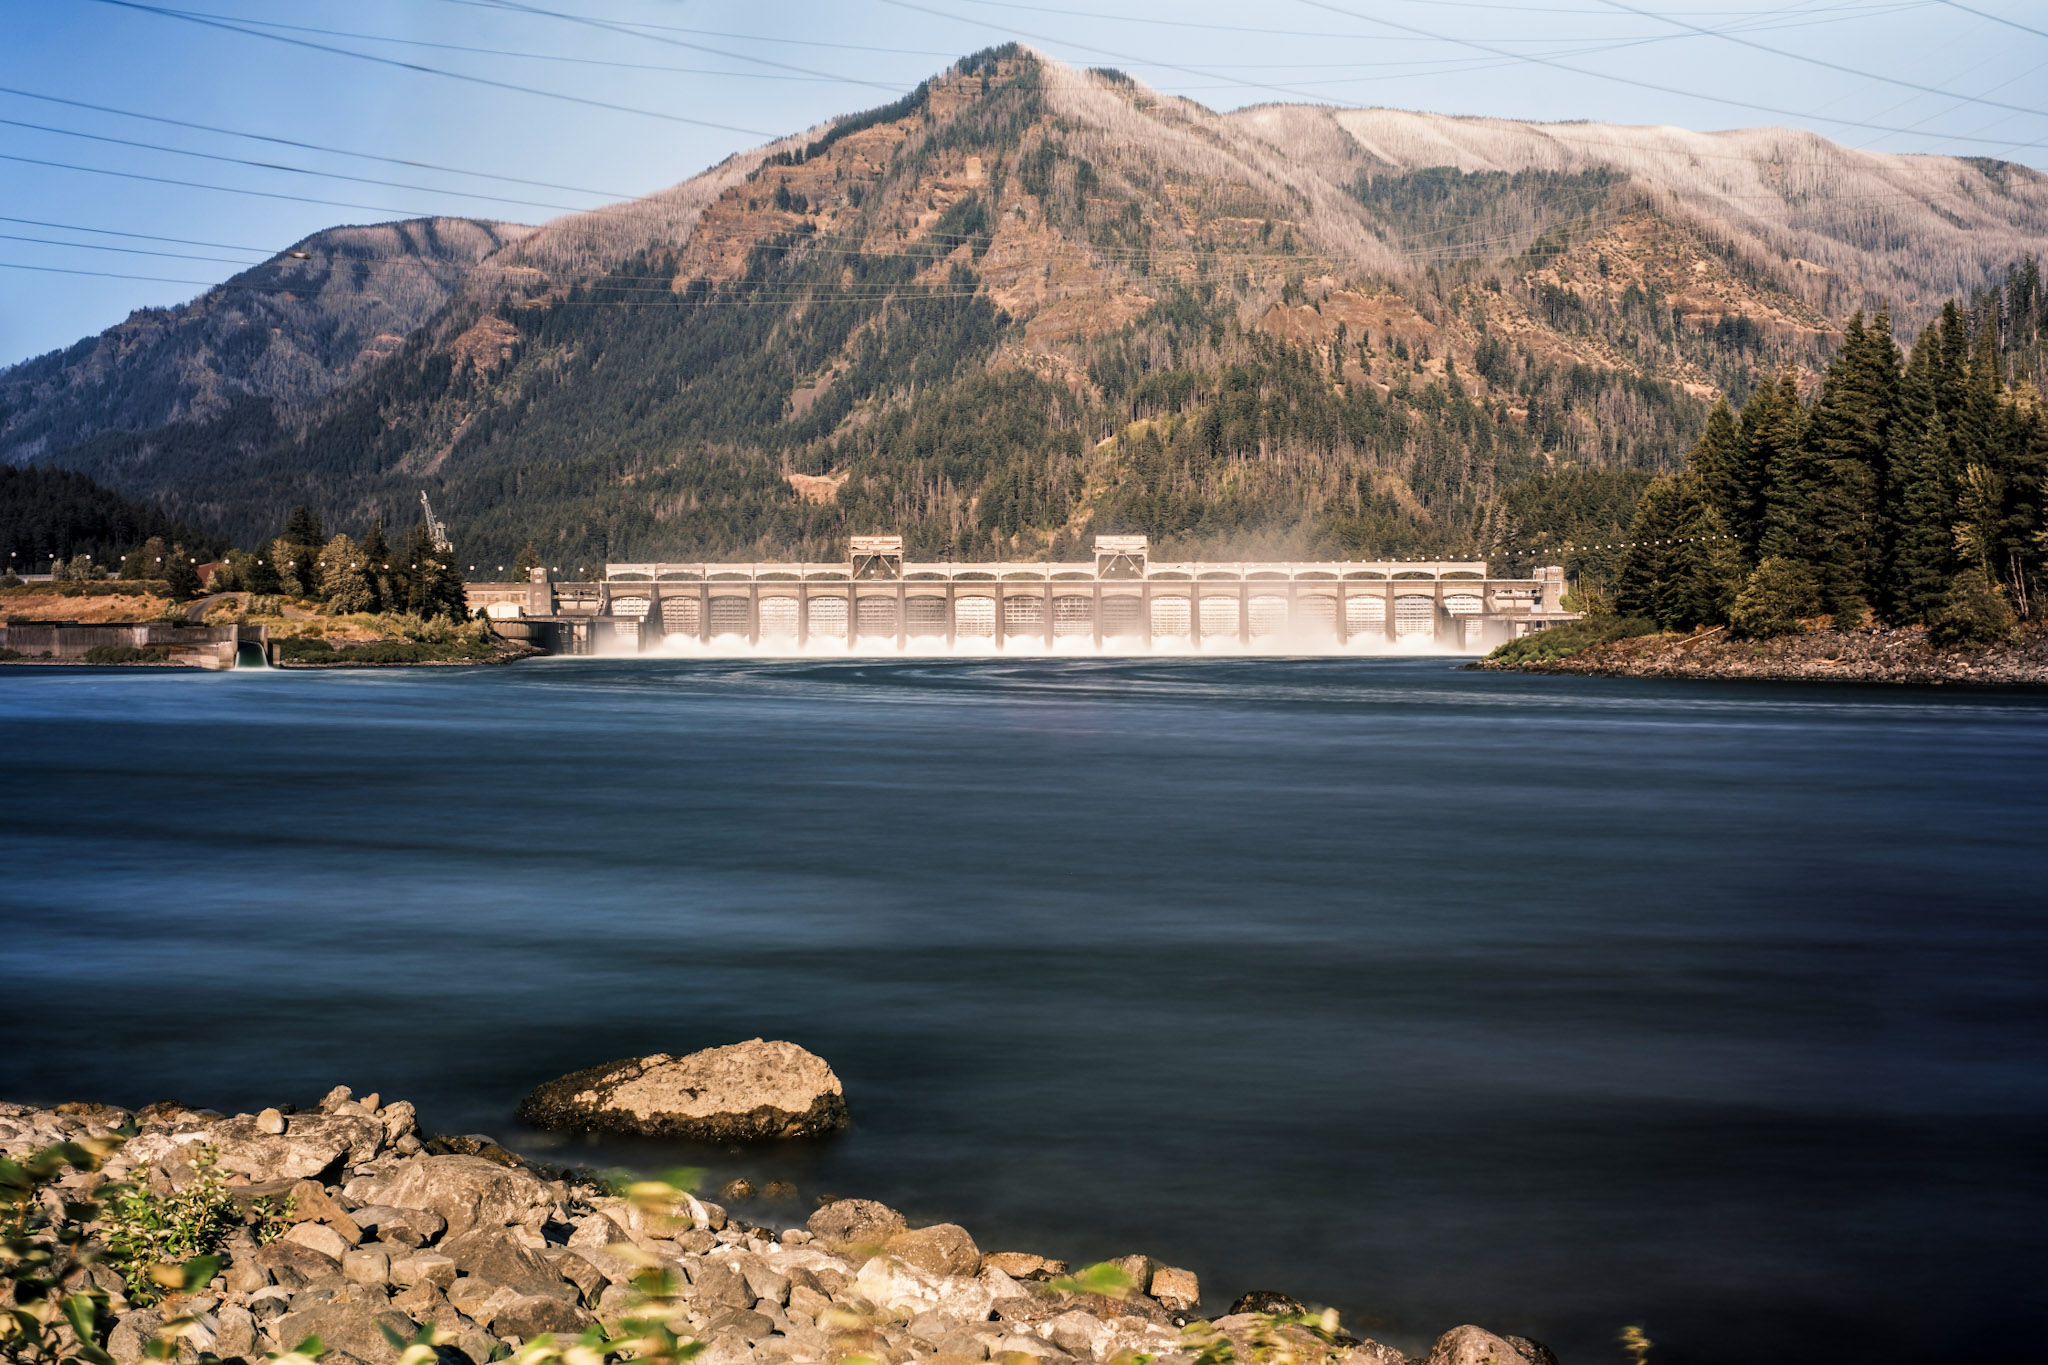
(1550, 1004)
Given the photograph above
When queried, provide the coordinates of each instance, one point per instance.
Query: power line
(611, 27)
(1996, 19)
(1828, 65)
(280, 166)
(223, 189)
(431, 70)
(537, 56)
(305, 146)
(1639, 84)
(126, 250)
(140, 236)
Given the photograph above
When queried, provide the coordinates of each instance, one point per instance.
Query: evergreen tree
(146, 562)
(181, 575)
(1974, 612)
(1682, 569)
(303, 528)
(260, 574)
(1847, 436)
(528, 561)
(344, 581)
(1772, 426)
(1776, 599)
(377, 565)
(1721, 464)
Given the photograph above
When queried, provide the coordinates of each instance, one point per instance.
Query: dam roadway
(1120, 599)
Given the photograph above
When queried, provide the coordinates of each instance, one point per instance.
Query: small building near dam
(1120, 600)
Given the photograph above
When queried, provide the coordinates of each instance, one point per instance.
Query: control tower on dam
(1121, 601)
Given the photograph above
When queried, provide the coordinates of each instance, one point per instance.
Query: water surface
(1551, 1004)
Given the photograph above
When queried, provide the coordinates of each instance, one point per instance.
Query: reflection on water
(1554, 1004)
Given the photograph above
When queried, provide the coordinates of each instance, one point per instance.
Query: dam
(1121, 601)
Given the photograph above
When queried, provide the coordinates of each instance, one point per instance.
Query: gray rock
(763, 1280)
(366, 1265)
(270, 1123)
(425, 1303)
(942, 1249)
(234, 1333)
(294, 1266)
(128, 1343)
(1267, 1301)
(586, 1276)
(476, 1344)
(1469, 1345)
(317, 1237)
(1022, 1265)
(532, 1315)
(491, 1255)
(348, 1327)
(720, 1282)
(465, 1191)
(423, 1267)
(411, 1227)
(1535, 1351)
(742, 1323)
(400, 1121)
(312, 1147)
(808, 1301)
(849, 1223)
(1176, 1289)
(745, 1092)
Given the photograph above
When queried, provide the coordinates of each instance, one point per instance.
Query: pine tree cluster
(349, 576)
(1914, 489)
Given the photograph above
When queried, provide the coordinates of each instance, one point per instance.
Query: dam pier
(1121, 601)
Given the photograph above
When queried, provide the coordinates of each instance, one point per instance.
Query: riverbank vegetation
(1908, 492)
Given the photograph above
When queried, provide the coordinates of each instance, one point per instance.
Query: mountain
(1025, 303)
(289, 330)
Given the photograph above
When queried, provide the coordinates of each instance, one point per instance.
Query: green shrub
(1777, 596)
(1973, 614)
(1567, 638)
(127, 654)
(145, 1232)
(10, 654)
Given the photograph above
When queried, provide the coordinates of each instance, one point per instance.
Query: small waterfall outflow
(249, 654)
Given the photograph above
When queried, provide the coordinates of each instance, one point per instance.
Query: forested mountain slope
(1025, 303)
(290, 329)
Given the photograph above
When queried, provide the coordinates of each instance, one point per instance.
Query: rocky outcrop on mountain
(745, 1092)
(400, 1235)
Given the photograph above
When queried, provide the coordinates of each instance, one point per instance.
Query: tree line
(1911, 488)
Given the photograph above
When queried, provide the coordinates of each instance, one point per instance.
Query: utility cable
(433, 70)
(306, 146)
(1629, 80)
(280, 166)
(1995, 18)
(609, 26)
(1828, 65)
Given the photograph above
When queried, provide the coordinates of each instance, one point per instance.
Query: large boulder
(465, 1191)
(1469, 1345)
(746, 1092)
(847, 1224)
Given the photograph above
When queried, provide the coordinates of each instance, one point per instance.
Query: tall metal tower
(435, 529)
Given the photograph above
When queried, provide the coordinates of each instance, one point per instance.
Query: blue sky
(697, 79)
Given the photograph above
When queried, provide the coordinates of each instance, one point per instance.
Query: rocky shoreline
(358, 1229)
(1901, 655)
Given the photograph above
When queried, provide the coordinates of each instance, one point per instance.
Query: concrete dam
(1121, 602)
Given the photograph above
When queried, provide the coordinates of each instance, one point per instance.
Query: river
(1552, 1004)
